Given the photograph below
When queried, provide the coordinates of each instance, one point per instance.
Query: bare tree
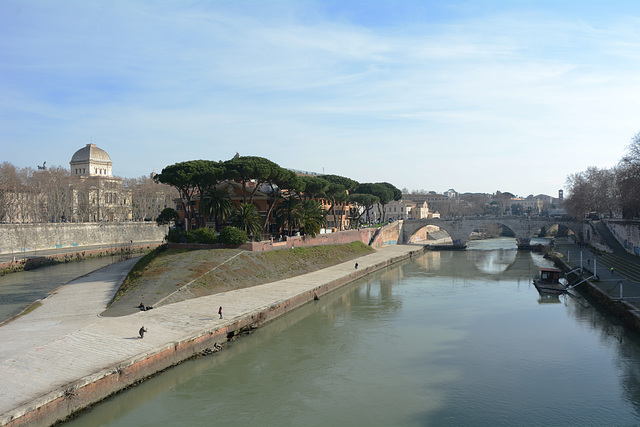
(593, 190)
(8, 189)
(628, 179)
(54, 185)
(149, 198)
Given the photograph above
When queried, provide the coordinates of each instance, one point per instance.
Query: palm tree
(289, 214)
(216, 203)
(312, 218)
(247, 218)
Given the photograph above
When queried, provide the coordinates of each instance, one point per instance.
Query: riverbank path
(65, 342)
(8, 257)
(621, 283)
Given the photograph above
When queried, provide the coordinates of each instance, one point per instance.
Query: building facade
(97, 195)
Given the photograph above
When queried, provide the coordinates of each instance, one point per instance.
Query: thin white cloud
(438, 98)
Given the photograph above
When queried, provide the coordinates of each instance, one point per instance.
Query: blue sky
(477, 96)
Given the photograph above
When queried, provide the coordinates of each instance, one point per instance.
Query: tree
(167, 216)
(516, 209)
(183, 177)
(593, 190)
(244, 169)
(53, 193)
(281, 180)
(312, 218)
(9, 187)
(149, 197)
(381, 191)
(247, 218)
(216, 203)
(337, 192)
(288, 214)
(397, 193)
(628, 180)
(366, 201)
(313, 187)
(232, 236)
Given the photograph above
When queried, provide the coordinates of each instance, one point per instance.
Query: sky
(475, 95)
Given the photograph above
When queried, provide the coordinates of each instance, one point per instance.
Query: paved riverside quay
(63, 356)
(618, 289)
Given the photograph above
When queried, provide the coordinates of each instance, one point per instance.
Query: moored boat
(548, 281)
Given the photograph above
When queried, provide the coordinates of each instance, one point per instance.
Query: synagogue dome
(90, 153)
(91, 161)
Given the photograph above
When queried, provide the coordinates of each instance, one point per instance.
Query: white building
(404, 209)
(97, 195)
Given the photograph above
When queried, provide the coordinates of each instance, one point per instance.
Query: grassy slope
(205, 272)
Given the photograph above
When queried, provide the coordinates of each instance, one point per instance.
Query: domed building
(90, 161)
(97, 194)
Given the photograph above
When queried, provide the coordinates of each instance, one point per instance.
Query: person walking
(356, 265)
(142, 331)
(220, 312)
(611, 271)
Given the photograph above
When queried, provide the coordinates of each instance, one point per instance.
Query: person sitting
(141, 306)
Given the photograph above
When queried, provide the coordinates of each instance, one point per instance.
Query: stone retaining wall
(627, 233)
(623, 310)
(20, 264)
(15, 238)
(386, 236)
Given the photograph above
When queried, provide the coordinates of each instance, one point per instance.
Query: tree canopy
(614, 191)
(200, 178)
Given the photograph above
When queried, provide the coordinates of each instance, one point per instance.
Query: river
(446, 338)
(18, 290)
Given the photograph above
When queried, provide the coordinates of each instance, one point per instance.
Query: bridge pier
(459, 229)
(524, 243)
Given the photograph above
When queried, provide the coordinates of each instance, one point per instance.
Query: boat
(548, 281)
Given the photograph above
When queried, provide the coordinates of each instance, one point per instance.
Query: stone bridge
(459, 229)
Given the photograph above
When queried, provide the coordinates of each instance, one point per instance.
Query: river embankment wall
(58, 404)
(627, 232)
(625, 311)
(16, 238)
(388, 235)
(124, 251)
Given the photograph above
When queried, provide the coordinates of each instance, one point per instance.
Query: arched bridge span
(460, 229)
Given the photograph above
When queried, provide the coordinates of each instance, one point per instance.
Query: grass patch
(30, 308)
(162, 271)
(138, 271)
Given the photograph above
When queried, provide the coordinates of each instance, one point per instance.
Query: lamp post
(620, 283)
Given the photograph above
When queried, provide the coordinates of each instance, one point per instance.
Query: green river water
(458, 338)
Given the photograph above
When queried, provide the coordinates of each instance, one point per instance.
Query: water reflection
(437, 340)
(479, 261)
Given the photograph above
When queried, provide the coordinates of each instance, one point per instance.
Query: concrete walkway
(609, 283)
(67, 309)
(64, 342)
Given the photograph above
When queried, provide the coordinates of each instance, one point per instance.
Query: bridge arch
(459, 229)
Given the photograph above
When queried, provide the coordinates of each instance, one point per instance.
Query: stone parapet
(17, 238)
